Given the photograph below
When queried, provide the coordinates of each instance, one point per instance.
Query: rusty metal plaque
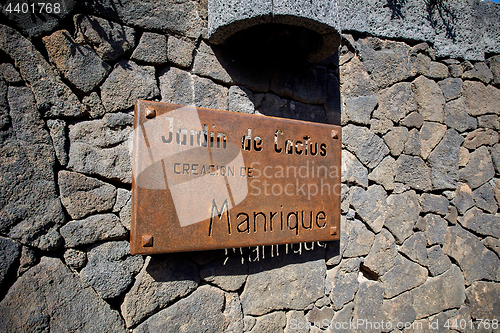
(208, 179)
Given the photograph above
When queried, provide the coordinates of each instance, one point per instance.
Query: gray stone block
(475, 26)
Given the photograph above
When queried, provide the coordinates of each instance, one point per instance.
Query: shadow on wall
(275, 75)
(438, 12)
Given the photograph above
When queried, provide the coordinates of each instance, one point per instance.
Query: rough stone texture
(241, 100)
(370, 205)
(214, 63)
(489, 121)
(415, 248)
(435, 295)
(359, 109)
(110, 268)
(480, 137)
(10, 74)
(455, 116)
(479, 99)
(152, 49)
(368, 304)
(78, 64)
(30, 209)
(199, 312)
(451, 88)
(414, 119)
(493, 244)
(483, 299)
(355, 80)
(51, 94)
(270, 323)
(228, 276)
(479, 169)
(342, 282)
(399, 309)
(437, 71)
(384, 173)
(481, 223)
(122, 197)
(484, 197)
(387, 62)
(405, 275)
(382, 256)
(57, 129)
(9, 253)
(396, 139)
(430, 135)
(481, 72)
(494, 63)
(438, 262)
(179, 87)
(179, 17)
(162, 280)
(290, 285)
(432, 203)
(75, 258)
(368, 147)
(82, 196)
(413, 144)
(110, 40)
(93, 105)
(352, 170)
(444, 161)
(411, 20)
(435, 230)
(101, 147)
(92, 229)
(404, 210)
(27, 260)
(430, 99)
(475, 260)
(396, 102)
(319, 316)
(233, 313)
(180, 52)
(127, 83)
(359, 239)
(58, 301)
(412, 171)
(463, 198)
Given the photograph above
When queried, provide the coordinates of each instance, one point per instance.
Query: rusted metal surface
(208, 179)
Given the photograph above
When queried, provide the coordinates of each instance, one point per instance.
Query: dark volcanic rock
(30, 208)
(82, 196)
(109, 39)
(293, 284)
(475, 260)
(92, 229)
(199, 312)
(58, 302)
(152, 49)
(127, 83)
(9, 253)
(101, 147)
(50, 92)
(110, 268)
(163, 280)
(79, 64)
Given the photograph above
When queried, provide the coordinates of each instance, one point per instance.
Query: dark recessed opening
(275, 42)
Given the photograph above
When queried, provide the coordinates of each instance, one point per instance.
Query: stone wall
(420, 234)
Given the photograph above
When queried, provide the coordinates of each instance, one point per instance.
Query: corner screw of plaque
(335, 134)
(333, 230)
(147, 241)
(150, 114)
